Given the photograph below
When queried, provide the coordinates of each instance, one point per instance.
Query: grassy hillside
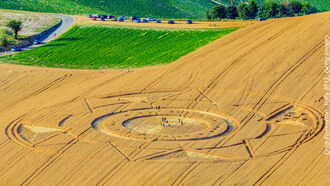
(116, 47)
(321, 5)
(157, 8)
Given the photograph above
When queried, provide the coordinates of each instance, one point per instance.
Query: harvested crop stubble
(256, 93)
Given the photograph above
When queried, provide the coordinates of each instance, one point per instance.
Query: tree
(284, 9)
(232, 12)
(252, 9)
(307, 8)
(270, 9)
(208, 15)
(219, 12)
(242, 10)
(295, 6)
(16, 26)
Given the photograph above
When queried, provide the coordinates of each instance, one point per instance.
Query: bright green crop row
(103, 47)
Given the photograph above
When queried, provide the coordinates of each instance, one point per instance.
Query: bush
(232, 12)
(252, 9)
(243, 11)
(307, 8)
(295, 6)
(208, 15)
(3, 41)
(6, 31)
(284, 10)
(5, 35)
(219, 12)
(270, 9)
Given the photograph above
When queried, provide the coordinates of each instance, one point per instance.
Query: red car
(94, 18)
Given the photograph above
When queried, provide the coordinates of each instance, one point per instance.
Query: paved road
(67, 22)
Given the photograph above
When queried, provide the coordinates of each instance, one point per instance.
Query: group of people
(165, 123)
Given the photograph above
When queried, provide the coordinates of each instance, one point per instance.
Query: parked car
(171, 22)
(98, 15)
(111, 16)
(158, 21)
(134, 18)
(90, 15)
(138, 20)
(36, 42)
(102, 18)
(15, 49)
(189, 21)
(121, 19)
(261, 19)
(145, 21)
(94, 18)
(151, 19)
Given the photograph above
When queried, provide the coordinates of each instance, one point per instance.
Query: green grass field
(104, 47)
(194, 9)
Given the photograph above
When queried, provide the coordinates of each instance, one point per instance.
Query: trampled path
(256, 95)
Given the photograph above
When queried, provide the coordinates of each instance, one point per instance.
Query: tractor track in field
(39, 91)
(274, 86)
(238, 126)
(53, 158)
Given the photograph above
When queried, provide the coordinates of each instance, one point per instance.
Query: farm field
(102, 47)
(251, 102)
(160, 8)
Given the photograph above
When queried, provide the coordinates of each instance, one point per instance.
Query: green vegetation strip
(194, 9)
(104, 47)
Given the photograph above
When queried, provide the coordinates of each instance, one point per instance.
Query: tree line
(269, 9)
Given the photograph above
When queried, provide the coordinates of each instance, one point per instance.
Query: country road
(67, 22)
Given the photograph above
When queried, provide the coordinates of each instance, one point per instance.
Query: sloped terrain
(101, 47)
(159, 8)
(257, 92)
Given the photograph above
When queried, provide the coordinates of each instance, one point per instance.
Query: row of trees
(269, 9)
(9, 32)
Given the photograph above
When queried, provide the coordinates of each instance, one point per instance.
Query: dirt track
(178, 24)
(258, 90)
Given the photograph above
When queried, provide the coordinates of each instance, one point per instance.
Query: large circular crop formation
(166, 125)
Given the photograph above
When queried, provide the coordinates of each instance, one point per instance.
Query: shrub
(307, 8)
(295, 6)
(219, 12)
(208, 15)
(243, 11)
(3, 41)
(270, 9)
(232, 12)
(5, 35)
(252, 9)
